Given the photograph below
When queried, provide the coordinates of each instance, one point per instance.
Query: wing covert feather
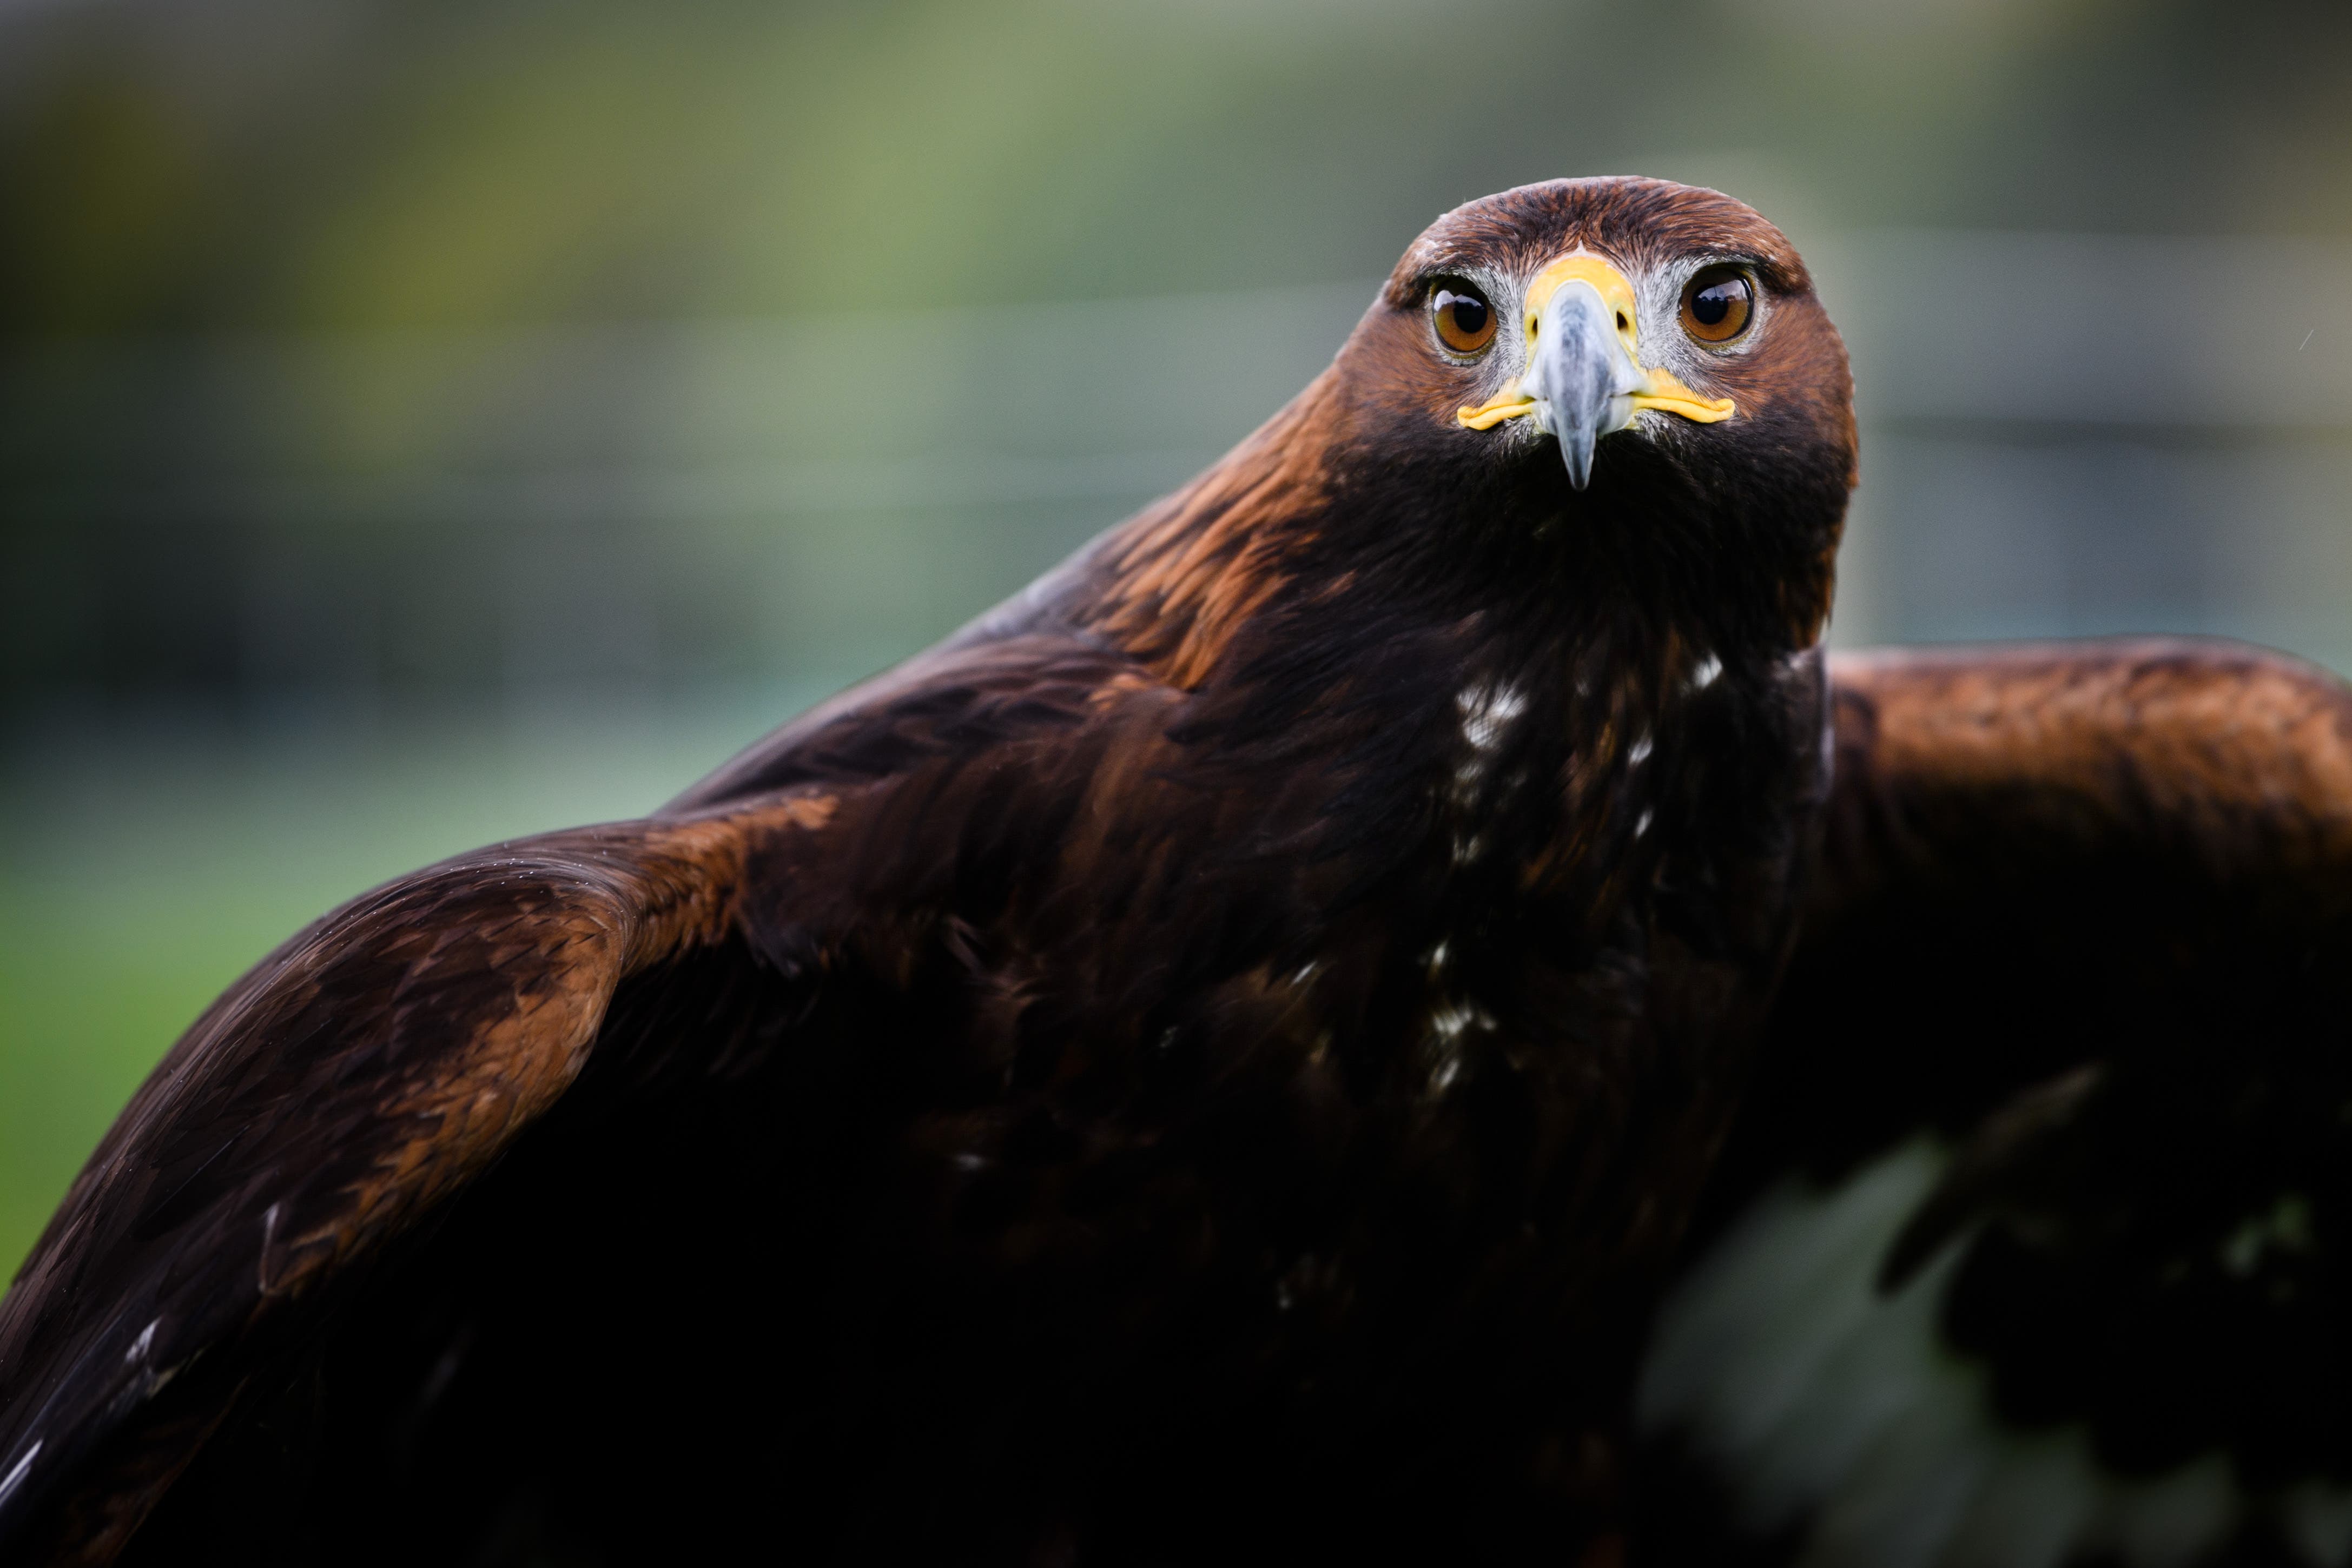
(2236, 759)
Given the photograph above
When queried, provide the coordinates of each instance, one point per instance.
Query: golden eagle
(1225, 1056)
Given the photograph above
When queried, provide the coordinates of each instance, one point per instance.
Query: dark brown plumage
(1217, 1057)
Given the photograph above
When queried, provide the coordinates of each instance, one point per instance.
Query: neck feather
(1174, 585)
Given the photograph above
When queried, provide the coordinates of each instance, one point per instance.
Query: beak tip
(1575, 451)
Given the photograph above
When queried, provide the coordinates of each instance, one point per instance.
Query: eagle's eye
(1716, 305)
(1466, 322)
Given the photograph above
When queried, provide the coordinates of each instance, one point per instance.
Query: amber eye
(1465, 323)
(1716, 305)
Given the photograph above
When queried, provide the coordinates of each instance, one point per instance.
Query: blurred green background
(426, 423)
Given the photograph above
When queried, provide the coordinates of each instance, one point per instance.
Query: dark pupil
(1712, 305)
(1469, 315)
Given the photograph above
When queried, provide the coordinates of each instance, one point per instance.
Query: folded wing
(321, 1112)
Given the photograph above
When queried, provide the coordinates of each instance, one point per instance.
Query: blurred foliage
(282, 163)
(257, 255)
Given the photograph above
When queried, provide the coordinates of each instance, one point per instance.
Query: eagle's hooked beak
(1582, 379)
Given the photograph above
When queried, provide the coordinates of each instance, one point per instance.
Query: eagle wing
(322, 1110)
(2035, 1241)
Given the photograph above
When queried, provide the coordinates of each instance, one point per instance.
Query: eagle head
(1581, 397)
(1613, 352)
(1552, 316)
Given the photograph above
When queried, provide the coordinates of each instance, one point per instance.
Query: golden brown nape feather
(1220, 1052)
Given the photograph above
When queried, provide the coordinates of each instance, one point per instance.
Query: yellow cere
(1666, 392)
